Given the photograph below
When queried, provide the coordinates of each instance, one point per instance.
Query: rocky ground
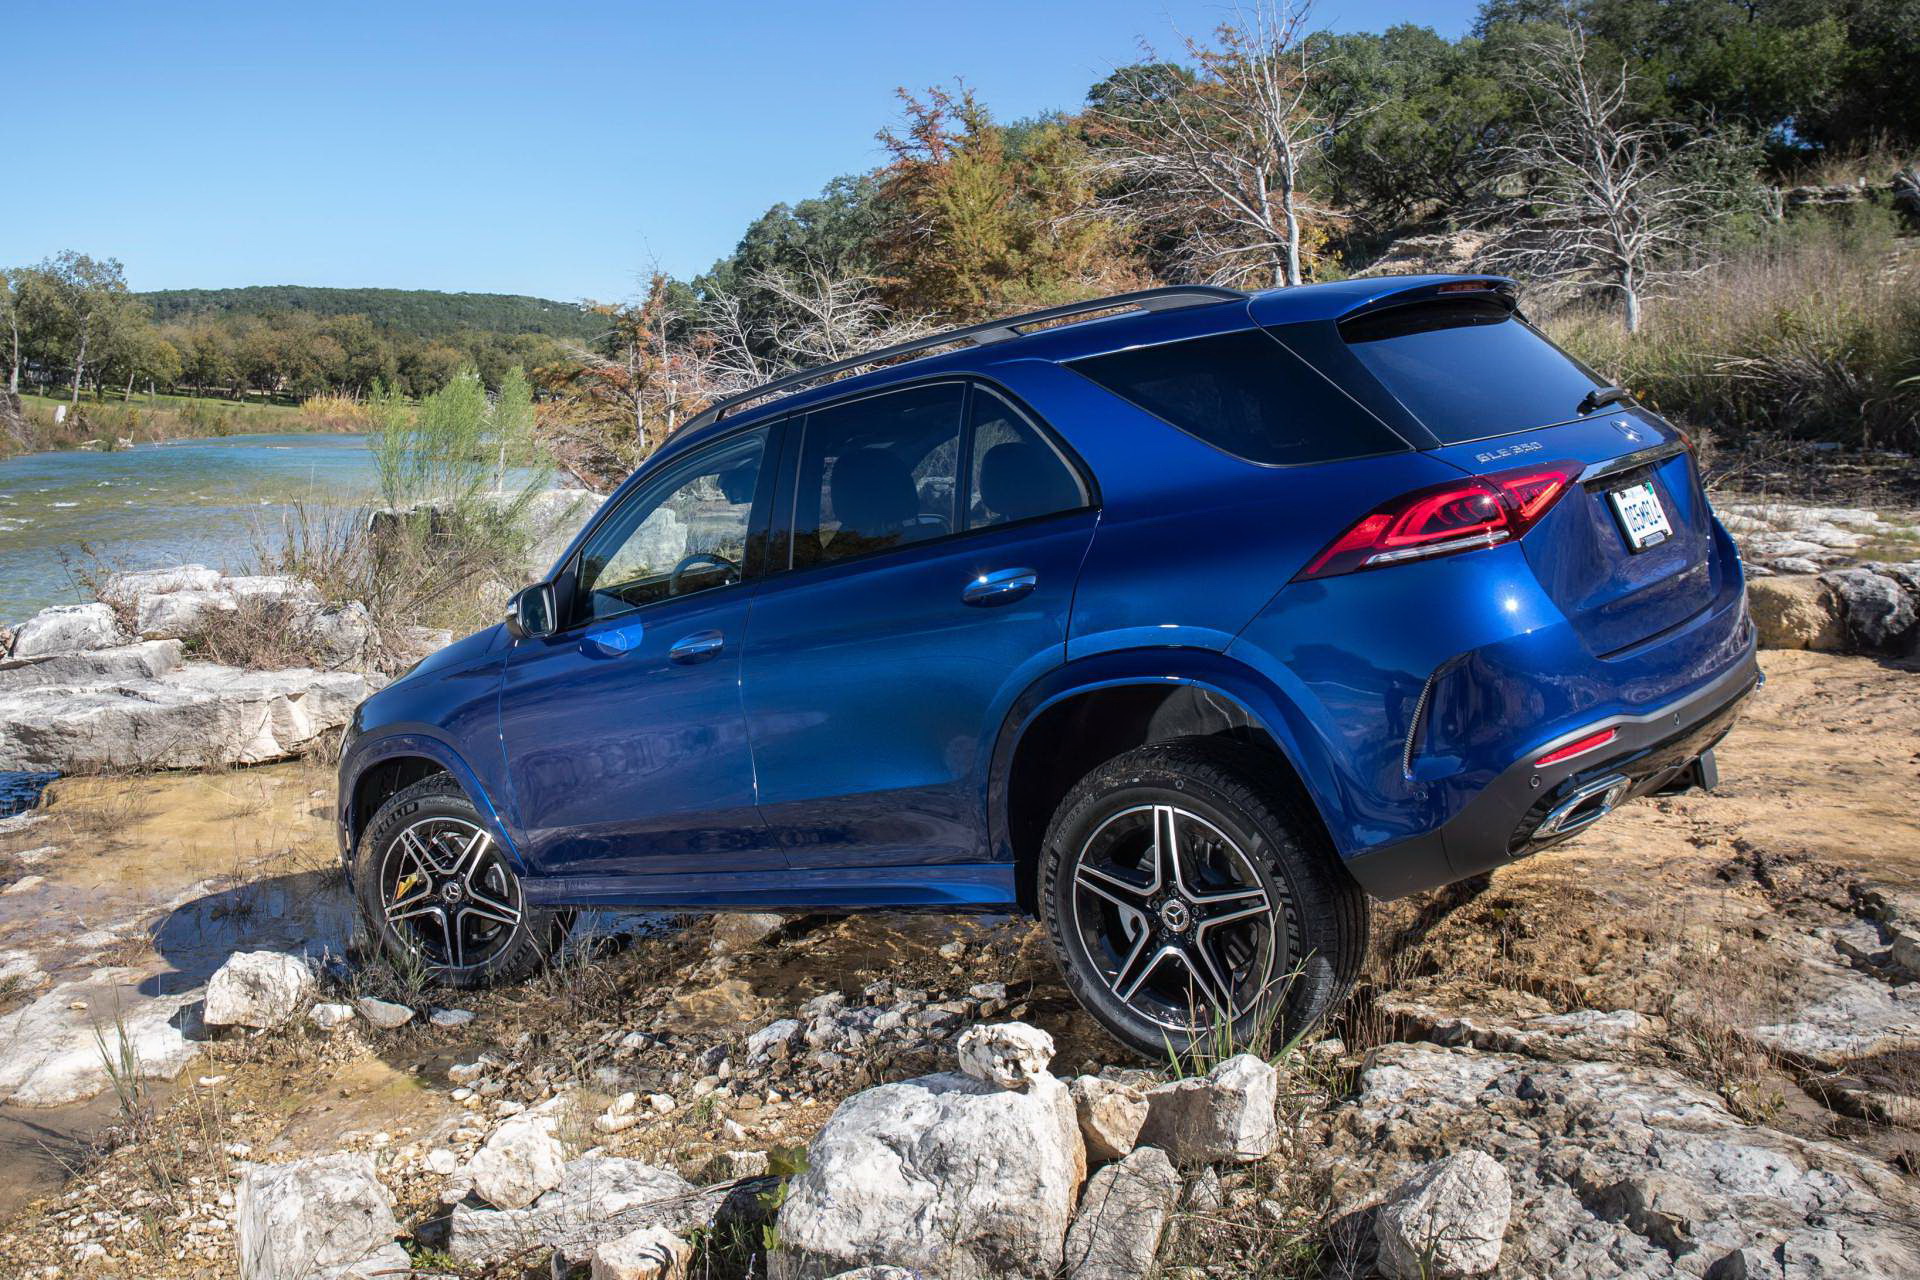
(1692, 1035)
(1686, 1043)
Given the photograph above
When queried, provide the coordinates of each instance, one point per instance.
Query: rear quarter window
(1468, 369)
(1245, 394)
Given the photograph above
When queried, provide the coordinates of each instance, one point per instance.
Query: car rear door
(927, 547)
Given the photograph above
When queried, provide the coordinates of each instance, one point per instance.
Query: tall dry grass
(1811, 332)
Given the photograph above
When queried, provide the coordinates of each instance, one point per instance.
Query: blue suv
(1183, 620)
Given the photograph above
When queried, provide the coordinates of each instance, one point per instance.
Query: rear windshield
(1468, 369)
(1244, 393)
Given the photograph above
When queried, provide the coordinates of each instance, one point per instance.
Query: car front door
(623, 733)
(926, 546)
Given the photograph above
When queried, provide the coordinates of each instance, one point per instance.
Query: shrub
(1811, 330)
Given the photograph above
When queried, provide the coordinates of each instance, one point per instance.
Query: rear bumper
(1652, 751)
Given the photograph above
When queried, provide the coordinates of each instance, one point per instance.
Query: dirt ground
(1696, 910)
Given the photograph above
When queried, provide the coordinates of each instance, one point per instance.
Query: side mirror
(531, 612)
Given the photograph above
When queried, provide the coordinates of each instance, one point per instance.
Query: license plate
(1641, 515)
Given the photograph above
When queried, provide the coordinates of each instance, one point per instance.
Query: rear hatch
(1628, 552)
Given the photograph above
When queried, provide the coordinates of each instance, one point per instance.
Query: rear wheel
(439, 893)
(1192, 906)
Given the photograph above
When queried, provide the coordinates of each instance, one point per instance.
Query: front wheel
(440, 895)
(1192, 907)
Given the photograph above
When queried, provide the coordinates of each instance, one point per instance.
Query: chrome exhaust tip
(1583, 807)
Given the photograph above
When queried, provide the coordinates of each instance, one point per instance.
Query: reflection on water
(208, 501)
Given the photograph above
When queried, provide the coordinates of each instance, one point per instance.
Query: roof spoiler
(1499, 288)
(1169, 298)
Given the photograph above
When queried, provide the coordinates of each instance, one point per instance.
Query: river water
(210, 501)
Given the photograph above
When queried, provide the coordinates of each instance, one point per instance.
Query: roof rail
(1168, 298)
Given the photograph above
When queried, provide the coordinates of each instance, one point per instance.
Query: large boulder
(257, 989)
(1879, 608)
(1450, 1220)
(324, 1216)
(1796, 613)
(1116, 1232)
(599, 1197)
(67, 628)
(193, 716)
(1225, 1115)
(173, 615)
(146, 660)
(945, 1174)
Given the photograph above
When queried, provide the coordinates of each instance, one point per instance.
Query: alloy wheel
(448, 895)
(1178, 924)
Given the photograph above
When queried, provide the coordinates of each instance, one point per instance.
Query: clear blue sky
(545, 148)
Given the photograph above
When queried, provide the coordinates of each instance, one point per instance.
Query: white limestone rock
(599, 1196)
(1116, 1231)
(1226, 1115)
(50, 1050)
(326, 1215)
(195, 716)
(1111, 1115)
(646, 1253)
(1008, 1055)
(67, 628)
(1448, 1221)
(945, 1174)
(257, 989)
(519, 1162)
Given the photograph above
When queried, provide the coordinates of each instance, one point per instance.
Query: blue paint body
(849, 744)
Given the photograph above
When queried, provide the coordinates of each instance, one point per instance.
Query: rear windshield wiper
(1600, 397)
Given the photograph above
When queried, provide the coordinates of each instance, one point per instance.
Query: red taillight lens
(1579, 747)
(1465, 515)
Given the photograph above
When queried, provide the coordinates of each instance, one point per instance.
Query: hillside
(420, 313)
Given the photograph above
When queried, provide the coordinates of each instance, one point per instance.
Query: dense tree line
(69, 324)
(1605, 148)
(412, 313)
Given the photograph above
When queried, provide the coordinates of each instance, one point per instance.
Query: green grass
(144, 419)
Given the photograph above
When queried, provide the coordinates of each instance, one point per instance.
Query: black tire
(410, 884)
(1244, 857)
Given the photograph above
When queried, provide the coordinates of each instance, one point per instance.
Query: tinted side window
(877, 473)
(685, 531)
(1246, 394)
(1468, 369)
(1016, 473)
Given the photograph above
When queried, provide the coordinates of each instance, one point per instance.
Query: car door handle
(698, 647)
(1002, 586)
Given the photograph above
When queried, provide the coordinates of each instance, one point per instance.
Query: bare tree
(819, 318)
(1596, 199)
(1216, 157)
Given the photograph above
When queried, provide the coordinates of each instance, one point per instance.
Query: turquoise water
(213, 502)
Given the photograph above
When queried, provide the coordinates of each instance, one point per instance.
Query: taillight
(1461, 515)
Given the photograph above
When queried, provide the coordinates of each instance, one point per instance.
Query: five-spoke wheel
(441, 895)
(1190, 900)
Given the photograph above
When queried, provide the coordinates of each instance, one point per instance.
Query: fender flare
(1266, 708)
(366, 754)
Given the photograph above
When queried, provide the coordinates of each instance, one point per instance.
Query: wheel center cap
(1176, 915)
(452, 891)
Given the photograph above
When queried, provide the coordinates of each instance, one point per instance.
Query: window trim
(1406, 445)
(781, 539)
(753, 567)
